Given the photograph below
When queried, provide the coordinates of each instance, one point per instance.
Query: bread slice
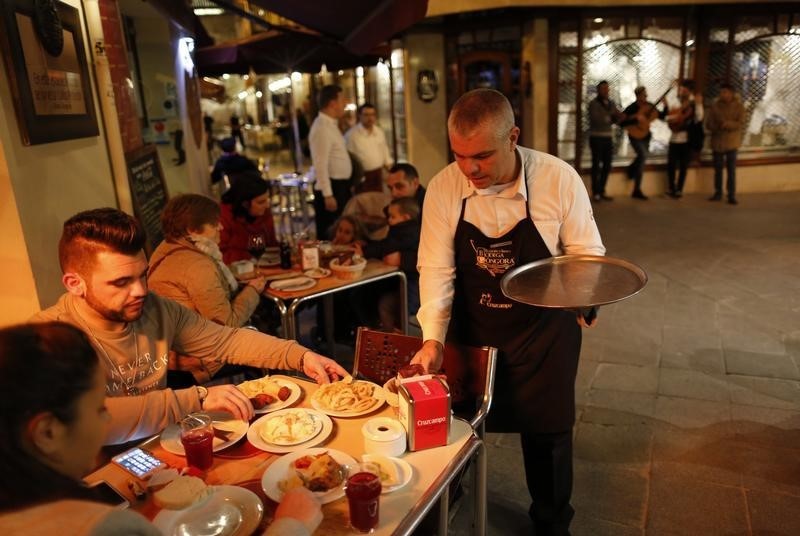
(387, 469)
(180, 493)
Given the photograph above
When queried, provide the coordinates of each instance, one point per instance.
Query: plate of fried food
(348, 398)
(270, 393)
(288, 430)
(323, 471)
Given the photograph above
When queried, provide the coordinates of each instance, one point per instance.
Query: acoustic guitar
(647, 114)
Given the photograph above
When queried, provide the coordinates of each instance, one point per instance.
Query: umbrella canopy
(359, 25)
(277, 51)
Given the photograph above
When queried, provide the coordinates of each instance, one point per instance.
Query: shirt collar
(331, 120)
(519, 186)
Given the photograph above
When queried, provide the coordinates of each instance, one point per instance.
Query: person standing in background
(724, 121)
(679, 120)
(603, 113)
(332, 166)
(367, 142)
(638, 117)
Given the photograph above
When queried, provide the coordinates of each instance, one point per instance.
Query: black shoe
(678, 194)
(715, 197)
(639, 195)
(605, 197)
(732, 201)
(597, 197)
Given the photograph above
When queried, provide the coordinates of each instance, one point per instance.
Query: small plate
(279, 417)
(171, 436)
(294, 396)
(378, 394)
(229, 511)
(293, 285)
(317, 273)
(254, 437)
(404, 472)
(269, 261)
(280, 470)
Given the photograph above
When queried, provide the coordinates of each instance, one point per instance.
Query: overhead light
(690, 42)
(280, 84)
(259, 94)
(341, 72)
(351, 107)
(598, 20)
(246, 76)
(296, 77)
(206, 11)
(359, 71)
(242, 95)
(226, 76)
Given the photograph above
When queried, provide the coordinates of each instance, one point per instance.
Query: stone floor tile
(764, 365)
(708, 360)
(683, 505)
(764, 392)
(694, 455)
(618, 407)
(774, 513)
(692, 384)
(589, 526)
(610, 494)
(777, 418)
(626, 378)
(640, 352)
(613, 444)
(688, 413)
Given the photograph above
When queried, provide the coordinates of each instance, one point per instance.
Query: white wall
(50, 183)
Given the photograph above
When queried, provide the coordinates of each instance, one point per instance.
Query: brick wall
(120, 75)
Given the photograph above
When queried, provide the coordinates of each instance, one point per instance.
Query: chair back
(469, 370)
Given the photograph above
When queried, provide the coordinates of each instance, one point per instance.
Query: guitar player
(639, 115)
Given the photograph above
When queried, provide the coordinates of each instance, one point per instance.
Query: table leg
(444, 510)
(327, 311)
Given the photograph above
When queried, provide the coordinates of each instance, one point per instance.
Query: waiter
(496, 207)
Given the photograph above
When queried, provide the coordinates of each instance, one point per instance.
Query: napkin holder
(424, 410)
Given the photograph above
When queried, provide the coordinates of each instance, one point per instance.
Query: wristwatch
(202, 393)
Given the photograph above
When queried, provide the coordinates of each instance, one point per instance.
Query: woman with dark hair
(52, 391)
(187, 268)
(245, 212)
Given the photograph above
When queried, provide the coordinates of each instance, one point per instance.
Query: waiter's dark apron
(538, 348)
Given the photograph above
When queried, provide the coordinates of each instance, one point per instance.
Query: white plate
(171, 436)
(404, 472)
(316, 427)
(294, 396)
(317, 273)
(280, 470)
(255, 438)
(269, 260)
(378, 394)
(293, 285)
(229, 511)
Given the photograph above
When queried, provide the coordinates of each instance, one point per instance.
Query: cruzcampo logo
(495, 259)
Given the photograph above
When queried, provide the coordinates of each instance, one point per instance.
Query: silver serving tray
(573, 281)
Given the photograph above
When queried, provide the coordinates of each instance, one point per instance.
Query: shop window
(667, 29)
(751, 27)
(600, 30)
(567, 113)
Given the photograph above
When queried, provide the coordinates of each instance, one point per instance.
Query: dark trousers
(677, 160)
(730, 162)
(636, 169)
(325, 219)
(548, 472)
(602, 151)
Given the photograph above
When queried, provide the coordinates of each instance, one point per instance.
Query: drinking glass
(363, 491)
(256, 245)
(197, 438)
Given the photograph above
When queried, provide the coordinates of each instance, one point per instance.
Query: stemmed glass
(256, 245)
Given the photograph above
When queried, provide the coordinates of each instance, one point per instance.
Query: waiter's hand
(321, 369)
(587, 318)
(430, 356)
(330, 203)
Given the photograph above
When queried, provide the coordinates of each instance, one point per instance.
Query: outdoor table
(289, 302)
(400, 511)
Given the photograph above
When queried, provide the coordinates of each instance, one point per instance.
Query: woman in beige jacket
(187, 267)
(725, 121)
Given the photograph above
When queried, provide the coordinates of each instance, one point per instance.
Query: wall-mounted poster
(42, 45)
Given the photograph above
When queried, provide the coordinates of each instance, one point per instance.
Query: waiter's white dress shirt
(369, 147)
(328, 153)
(559, 207)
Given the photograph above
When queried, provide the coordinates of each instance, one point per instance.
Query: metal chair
(470, 376)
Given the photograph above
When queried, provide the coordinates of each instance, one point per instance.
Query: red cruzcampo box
(425, 411)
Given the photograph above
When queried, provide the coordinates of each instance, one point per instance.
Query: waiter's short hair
(92, 231)
(479, 108)
(327, 94)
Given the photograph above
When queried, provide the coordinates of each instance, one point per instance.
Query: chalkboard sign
(148, 191)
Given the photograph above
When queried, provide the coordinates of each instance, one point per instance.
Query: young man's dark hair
(408, 170)
(364, 107)
(601, 83)
(327, 94)
(92, 231)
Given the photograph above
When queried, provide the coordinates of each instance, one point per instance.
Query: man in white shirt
(496, 207)
(332, 166)
(367, 142)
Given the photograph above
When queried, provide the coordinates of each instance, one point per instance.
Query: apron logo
(494, 260)
(486, 301)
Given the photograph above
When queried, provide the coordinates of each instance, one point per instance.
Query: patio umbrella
(358, 25)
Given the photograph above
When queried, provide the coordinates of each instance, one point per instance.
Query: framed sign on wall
(43, 51)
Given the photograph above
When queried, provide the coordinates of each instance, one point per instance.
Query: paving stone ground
(688, 393)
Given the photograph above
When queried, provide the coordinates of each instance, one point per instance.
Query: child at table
(52, 391)
(347, 230)
(399, 248)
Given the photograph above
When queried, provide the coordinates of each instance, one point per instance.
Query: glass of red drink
(197, 438)
(363, 490)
